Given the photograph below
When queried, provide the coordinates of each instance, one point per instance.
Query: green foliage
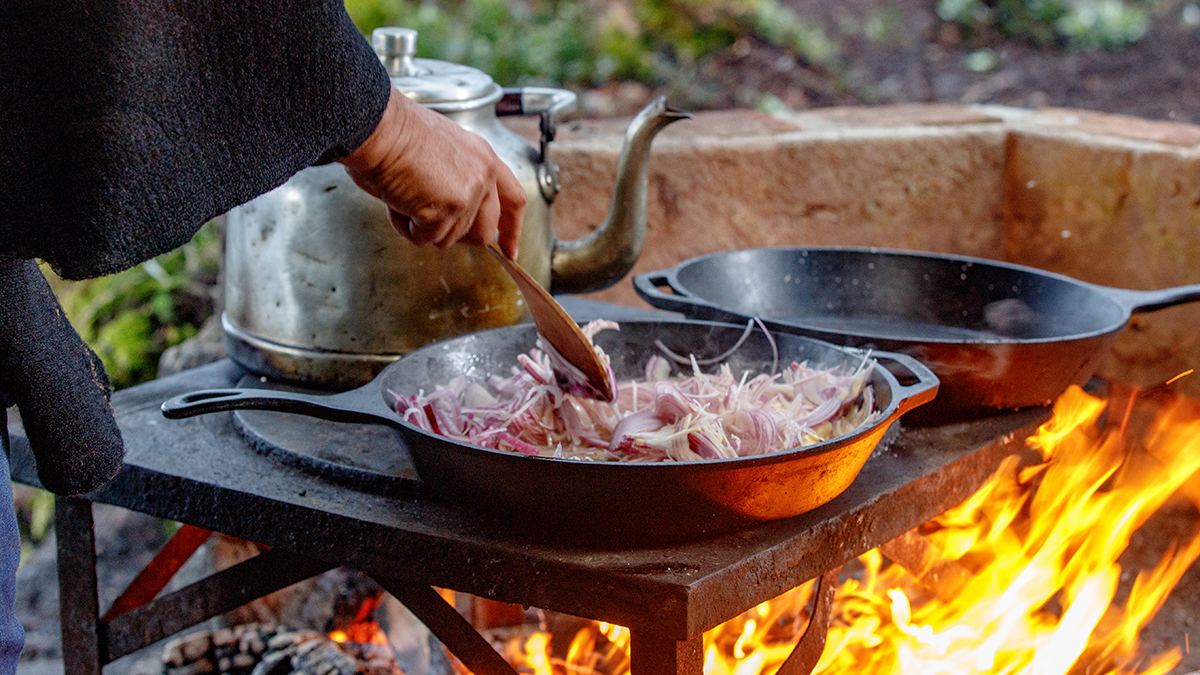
(552, 43)
(771, 104)
(887, 26)
(782, 26)
(981, 61)
(1082, 24)
(130, 318)
(582, 44)
(35, 515)
(1103, 23)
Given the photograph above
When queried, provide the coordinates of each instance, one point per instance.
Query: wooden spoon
(559, 329)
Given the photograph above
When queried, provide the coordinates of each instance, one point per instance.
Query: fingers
(446, 225)
(463, 224)
(401, 223)
(441, 183)
(511, 197)
(483, 229)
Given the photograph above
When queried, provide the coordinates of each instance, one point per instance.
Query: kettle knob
(396, 47)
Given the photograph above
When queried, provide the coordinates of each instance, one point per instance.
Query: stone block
(931, 188)
(1062, 200)
(1117, 211)
(890, 116)
(1107, 125)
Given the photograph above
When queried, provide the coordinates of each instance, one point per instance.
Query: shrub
(584, 44)
(1082, 24)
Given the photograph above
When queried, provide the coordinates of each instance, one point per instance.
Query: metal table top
(201, 471)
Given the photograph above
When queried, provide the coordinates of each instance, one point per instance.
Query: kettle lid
(427, 81)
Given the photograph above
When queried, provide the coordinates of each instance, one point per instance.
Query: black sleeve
(125, 125)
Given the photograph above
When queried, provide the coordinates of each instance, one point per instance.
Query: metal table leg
(652, 654)
(89, 641)
(454, 631)
(655, 655)
(83, 641)
(808, 650)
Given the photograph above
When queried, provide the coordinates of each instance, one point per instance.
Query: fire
(598, 648)
(364, 633)
(364, 630)
(1039, 545)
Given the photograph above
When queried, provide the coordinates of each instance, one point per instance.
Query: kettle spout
(602, 258)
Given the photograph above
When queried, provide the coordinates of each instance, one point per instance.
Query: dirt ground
(912, 56)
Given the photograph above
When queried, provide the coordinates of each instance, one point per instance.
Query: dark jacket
(124, 127)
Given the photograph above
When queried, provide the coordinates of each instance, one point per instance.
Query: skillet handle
(350, 406)
(648, 284)
(918, 393)
(1150, 301)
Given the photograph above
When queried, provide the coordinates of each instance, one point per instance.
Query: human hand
(440, 182)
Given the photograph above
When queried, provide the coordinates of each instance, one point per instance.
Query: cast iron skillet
(608, 502)
(998, 336)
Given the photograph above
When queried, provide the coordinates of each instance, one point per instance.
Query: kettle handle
(547, 102)
(535, 101)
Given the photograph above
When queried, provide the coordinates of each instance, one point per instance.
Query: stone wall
(1113, 201)
(1108, 199)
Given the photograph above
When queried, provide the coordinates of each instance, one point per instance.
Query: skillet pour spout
(611, 503)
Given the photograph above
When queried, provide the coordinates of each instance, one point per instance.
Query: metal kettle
(320, 290)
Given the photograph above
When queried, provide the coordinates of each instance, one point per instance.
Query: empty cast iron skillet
(607, 502)
(997, 335)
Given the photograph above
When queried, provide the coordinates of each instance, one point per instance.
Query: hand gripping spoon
(559, 329)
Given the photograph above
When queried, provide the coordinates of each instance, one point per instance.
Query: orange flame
(1040, 544)
(364, 630)
(364, 633)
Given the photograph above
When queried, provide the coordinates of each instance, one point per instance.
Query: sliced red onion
(638, 422)
(660, 418)
(571, 379)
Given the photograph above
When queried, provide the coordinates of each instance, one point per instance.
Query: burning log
(928, 565)
(267, 649)
(229, 650)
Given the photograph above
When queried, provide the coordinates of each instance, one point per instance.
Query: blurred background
(1121, 56)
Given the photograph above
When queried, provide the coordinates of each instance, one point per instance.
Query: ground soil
(918, 57)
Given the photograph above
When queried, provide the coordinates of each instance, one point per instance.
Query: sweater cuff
(345, 148)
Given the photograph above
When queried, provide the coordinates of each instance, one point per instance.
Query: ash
(266, 649)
